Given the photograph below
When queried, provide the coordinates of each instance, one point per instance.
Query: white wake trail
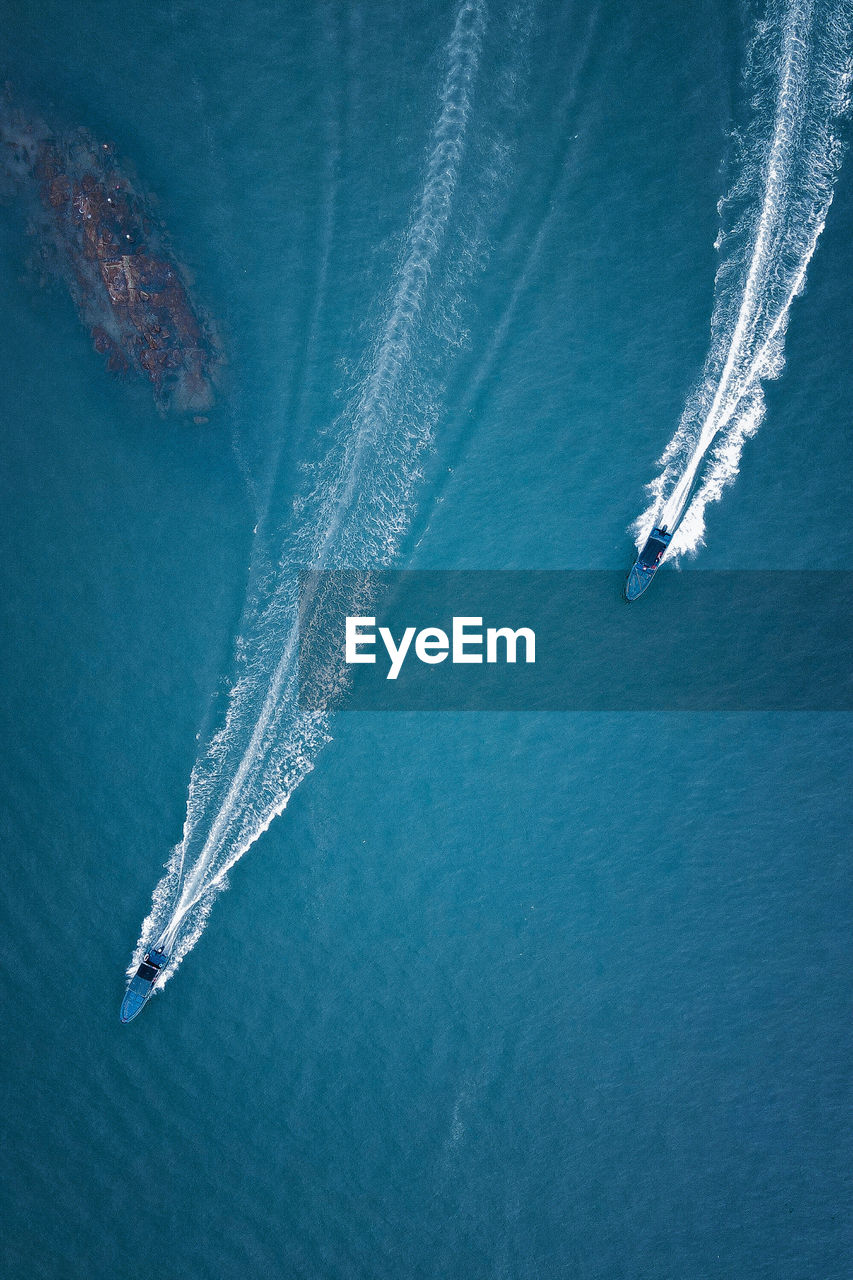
(354, 516)
(800, 63)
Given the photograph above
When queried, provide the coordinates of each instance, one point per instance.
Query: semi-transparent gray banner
(567, 641)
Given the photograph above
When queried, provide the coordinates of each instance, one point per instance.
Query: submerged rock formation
(100, 234)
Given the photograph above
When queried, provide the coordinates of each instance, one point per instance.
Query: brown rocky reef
(99, 232)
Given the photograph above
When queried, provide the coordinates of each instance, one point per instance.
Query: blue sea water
(521, 995)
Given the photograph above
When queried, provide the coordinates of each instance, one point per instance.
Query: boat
(648, 562)
(142, 983)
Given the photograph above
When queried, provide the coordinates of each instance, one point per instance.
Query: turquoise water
(497, 994)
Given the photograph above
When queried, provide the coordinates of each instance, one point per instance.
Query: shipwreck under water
(97, 231)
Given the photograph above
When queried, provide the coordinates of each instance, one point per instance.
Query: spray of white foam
(798, 77)
(356, 510)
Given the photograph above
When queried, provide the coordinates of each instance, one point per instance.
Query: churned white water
(787, 159)
(353, 515)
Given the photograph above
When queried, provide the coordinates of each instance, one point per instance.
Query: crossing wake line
(797, 80)
(352, 515)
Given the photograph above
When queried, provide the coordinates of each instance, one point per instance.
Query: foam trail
(354, 516)
(800, 64)
(534, 250)
(329, 56)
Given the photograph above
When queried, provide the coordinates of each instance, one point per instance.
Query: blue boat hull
(639, 580)
(142, 984)
(648, 562)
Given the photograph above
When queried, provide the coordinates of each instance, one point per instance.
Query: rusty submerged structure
(99, 232)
